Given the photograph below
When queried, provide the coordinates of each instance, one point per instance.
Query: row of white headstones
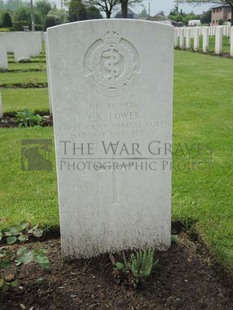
(184, 35)
(27, 44)
(23, 44)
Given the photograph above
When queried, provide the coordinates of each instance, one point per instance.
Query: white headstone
(215, 30)
(181, 42)
(35, 42)
(176, 38)
(112, 89)
(196, 39)
(3, 53)
(224, 30)
(9, 41)
(231, 42)
(48, 73)
(205, 41)
(218, 40)
(211, 30)
(192, 32)
(188, 38)
(23, 44)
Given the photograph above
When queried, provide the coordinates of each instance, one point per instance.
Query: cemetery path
(182, 279)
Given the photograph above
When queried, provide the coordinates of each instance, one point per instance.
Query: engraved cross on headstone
(114, 180)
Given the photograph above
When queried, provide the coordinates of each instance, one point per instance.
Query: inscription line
(126, 158)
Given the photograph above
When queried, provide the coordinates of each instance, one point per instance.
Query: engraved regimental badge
(111, 65)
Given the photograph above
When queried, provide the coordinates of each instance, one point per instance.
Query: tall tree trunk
(108, 14)
(32, 16)
(124, 8)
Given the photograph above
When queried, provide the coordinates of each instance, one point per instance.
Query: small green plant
(136, 269)
(9, 259)
(142, 263)
(7, 278)
(5, 29)
(27, 118)
(220, 22)
(32, 82)
(21, 233)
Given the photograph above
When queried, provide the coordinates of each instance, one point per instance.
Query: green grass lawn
(23, 77)
(203, 115)
(20, 186)
(17, 99)
(27, 66)
(225, 45)
(39, 58)
(30, 195)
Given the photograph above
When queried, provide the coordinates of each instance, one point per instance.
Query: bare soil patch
(182, 279)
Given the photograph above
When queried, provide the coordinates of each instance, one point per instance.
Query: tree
(143, 14)
(206, 17)
(55, 17)
(50, 21)
(2, 5)
(181, 17)
(12, 5)
(43, 7)
(161, 13)
(124, 6)
(93, 13)
(23, 14)
(23, 17)
(230, 2)
(105, 6)
(77, 11)
(6, 20)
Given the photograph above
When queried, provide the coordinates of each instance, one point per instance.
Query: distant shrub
(6, 20)
(50, 21)
(20, 25)
(22, 17)
(5, 29)
(220, 22)
(93, 13)
(38, 27)
(55, 17)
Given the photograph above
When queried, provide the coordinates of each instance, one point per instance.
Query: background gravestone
(112, 86)
(48, 74)
(3, 53)
(23, 44)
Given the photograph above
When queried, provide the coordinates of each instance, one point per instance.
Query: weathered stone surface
(3, 53)
(112, 90)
